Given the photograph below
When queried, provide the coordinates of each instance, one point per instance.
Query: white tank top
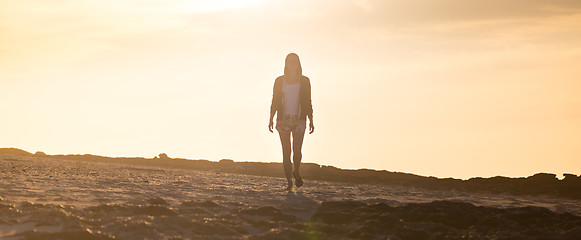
(291, 99)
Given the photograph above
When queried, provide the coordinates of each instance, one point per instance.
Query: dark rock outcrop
(14, 151)
(39, 154)
(441, 220)
(538, 184)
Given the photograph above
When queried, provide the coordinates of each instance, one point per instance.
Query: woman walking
(291, 99)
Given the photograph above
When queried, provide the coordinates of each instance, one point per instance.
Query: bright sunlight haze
(448, 88)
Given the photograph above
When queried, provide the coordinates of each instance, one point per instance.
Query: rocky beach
(94, 197)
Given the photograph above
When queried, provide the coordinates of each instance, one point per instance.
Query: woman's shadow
(300, 205)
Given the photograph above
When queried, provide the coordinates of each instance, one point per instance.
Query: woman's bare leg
(297, 155)
(285, 140)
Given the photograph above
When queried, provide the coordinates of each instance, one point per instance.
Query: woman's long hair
(293, 57)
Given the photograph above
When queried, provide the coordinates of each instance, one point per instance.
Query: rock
(14, 151)
(155, 210)
(460, 215)
(201, 203)
(228, 165)
(340, 205)
(337, 213)
(217, 227)
(227, 161)
(163, 156)
(75, 234)
(40, 154)
(442, 220)
(410, 233)
(282, 234)
(158, 201)
(571, 178)
(130, 210)
(543, 177)
(270, 212)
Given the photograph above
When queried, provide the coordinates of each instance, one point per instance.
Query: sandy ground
(43, 198)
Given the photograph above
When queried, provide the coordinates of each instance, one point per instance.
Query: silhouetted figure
(291, 101)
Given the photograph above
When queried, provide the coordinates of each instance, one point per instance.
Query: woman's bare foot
(298, 179)
(290, 186)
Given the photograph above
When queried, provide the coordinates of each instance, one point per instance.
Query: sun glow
(451, 90)
(218, 5)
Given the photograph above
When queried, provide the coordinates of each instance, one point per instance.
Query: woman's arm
(273, 105)
(270, 123)
(310, 104)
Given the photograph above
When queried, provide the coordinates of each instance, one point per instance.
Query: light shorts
(288, 123)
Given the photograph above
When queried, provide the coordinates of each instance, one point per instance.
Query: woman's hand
(311, 127)
(270, 126)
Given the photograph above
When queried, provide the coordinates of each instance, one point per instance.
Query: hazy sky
(447, 88)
